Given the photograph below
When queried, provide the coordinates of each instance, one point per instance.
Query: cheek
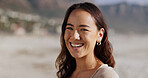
(90, 38)
(66, 35)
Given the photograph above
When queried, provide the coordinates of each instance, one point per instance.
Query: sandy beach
(34, 56)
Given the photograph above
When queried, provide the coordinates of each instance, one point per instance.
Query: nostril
(78, 38)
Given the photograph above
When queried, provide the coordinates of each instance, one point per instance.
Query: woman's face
(81, 34)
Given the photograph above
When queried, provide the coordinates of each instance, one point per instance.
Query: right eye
(70, 28)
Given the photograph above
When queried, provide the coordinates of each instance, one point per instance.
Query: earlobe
(98, 41)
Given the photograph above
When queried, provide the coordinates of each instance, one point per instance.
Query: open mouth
(76, 45)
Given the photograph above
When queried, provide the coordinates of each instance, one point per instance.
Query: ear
(100, 35)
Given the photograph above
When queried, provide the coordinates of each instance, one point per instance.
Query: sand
(34, 56)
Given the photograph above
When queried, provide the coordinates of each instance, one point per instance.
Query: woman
(86, 51)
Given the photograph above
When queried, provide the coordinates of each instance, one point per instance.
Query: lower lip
(76, 47)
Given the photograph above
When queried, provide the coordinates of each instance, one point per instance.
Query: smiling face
(81, 34)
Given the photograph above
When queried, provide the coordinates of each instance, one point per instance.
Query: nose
(75, 35)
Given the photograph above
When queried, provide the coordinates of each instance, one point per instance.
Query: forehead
(81, 16)
(79, 12)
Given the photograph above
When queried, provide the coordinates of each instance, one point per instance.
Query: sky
(142, 2)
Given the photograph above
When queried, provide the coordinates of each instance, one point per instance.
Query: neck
(87, 63)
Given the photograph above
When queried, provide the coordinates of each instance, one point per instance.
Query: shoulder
(105, 72)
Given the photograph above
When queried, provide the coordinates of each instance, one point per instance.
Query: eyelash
(70, 28)
(84, 30)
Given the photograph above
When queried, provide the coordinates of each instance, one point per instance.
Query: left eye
(84, 30)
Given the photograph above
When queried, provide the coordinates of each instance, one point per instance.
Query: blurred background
(30, 36)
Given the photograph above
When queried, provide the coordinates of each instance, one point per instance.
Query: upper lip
(75, 43)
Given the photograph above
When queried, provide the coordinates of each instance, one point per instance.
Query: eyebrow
(84, 26)
(70, 24)
(79, 25)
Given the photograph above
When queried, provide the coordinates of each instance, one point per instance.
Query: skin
(82, 30)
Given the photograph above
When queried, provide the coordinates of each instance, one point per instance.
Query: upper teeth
(76, 45)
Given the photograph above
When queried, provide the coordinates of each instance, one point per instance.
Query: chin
(77, 55)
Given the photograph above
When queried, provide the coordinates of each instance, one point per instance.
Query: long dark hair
(65, 63)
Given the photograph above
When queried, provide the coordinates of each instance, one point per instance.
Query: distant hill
(122, 17)
(43, 7)
(49, 8)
